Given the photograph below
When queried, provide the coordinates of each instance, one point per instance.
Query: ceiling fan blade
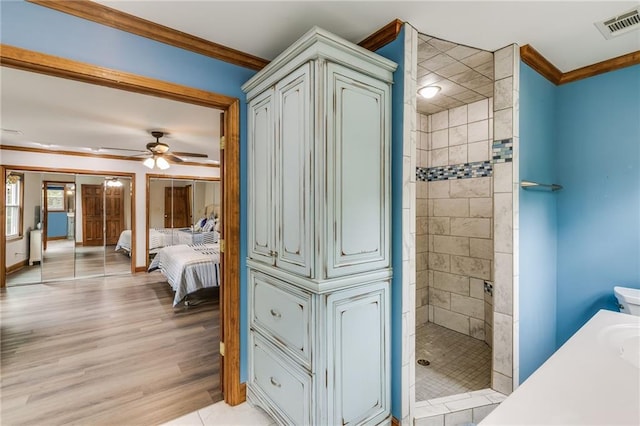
(190, 154)
(110, 148)
(173, 157)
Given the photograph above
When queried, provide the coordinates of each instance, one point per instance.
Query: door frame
(233, 390)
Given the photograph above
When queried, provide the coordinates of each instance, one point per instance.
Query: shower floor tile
(457, 363)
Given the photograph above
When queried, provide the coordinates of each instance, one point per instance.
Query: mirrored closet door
(181, 211)
(66, 226)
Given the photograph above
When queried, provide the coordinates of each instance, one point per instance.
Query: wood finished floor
(105, 351)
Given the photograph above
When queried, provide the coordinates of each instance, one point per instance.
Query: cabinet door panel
(260, 172)
(358, 349)
(358, 173)
(293, 99)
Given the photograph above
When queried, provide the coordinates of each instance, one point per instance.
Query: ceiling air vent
(619, 25)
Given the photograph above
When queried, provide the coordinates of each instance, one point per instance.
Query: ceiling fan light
(149, 162)
(429, 92)
(114, 183)
(162, 163)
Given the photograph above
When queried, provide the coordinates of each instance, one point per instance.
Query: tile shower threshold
(478, 404)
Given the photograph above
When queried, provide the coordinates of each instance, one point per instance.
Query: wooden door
(114, 214)
(177, 210)
(92, 215)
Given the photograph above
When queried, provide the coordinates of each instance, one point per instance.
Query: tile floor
(221, 414)
(458, 363)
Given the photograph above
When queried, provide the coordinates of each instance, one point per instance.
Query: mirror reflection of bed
(67, 226)
(183, 230)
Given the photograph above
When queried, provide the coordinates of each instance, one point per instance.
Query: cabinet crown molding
(315, 44)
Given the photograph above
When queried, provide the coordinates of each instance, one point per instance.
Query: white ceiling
(56, 113)
(77, 116)
(563, 32)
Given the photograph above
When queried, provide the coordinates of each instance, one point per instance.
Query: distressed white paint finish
(261, 210)
(357, 179)
(320, 313)
(293, 170)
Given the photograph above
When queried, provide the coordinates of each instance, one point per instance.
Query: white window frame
(15, 205)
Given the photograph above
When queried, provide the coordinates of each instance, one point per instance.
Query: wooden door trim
(233, 390)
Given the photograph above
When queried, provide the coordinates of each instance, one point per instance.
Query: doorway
(233, 389)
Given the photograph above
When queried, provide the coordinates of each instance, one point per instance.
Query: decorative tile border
(457, 171)
(502, 151)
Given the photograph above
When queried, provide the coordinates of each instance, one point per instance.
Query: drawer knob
(275, 383)
(275, 313)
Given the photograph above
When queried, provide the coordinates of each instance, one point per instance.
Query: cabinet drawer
(280, 380)
(282, 313)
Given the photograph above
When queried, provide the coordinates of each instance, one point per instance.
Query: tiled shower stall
(461, 209)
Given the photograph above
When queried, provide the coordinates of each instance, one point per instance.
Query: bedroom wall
(102, 166)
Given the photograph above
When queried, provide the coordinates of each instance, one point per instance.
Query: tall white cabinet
(319, 234)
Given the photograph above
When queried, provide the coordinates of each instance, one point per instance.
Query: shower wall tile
(503, 222)
(451, 207)
(451, 320)
(503, 344)
(467, 305)
(471, 227)
(439, 225)
(439, 189)
(451, 245)
(470, 266)
(481, 207)
(478, 131)
(503, 124)
(440, 120)
(478, 151)
(457, 136)
(481, 248)
(458, 154)
(503, 290)
(470, 188)
(477, 111)
(450, 282)
(476, 288)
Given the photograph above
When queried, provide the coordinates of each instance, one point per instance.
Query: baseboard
(395, 422)
(17, 266)
(141, 269)
(61, 237)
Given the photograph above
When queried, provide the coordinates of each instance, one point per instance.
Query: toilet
(628, 300)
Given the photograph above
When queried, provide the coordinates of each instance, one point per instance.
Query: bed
(188, 267)
(158, 238)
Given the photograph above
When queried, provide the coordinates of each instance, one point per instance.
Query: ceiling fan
(159, 154)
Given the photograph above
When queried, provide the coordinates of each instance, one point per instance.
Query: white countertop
(593, 379)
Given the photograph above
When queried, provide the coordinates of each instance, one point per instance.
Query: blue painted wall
(395, 52)
(598, 154)
(56, 224)
(44, 30)
(538, 224)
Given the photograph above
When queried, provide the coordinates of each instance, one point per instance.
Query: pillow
(208, 226)
(199, 224)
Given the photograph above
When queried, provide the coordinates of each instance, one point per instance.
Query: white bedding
(189, 267)
(124, 241)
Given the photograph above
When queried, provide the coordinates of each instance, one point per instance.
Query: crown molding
(123, 21)
(88, 154)
(539, 63)
(383, 36)
(609, 65)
